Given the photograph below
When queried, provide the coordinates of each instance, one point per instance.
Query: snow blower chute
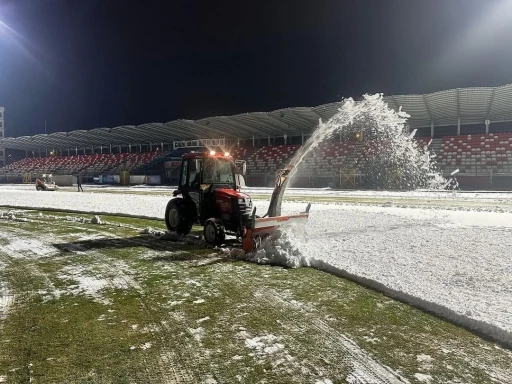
(210, 188)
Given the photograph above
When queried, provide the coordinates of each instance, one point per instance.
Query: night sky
(83, 64)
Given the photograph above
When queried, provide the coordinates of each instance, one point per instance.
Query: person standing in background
(79, 182)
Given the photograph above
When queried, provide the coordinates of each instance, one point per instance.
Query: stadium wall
(64, 180)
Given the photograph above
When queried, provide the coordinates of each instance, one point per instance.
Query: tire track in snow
(6, 297)
(171, 368)
(19, 246)
(481, 329)
(365, 369)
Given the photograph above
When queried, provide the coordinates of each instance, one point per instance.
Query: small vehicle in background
(46, 184)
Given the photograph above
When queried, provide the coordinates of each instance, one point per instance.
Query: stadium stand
(241, 153)
(477, 153)
(86, 164)
(469, 129)
(330, 157)
(468, 153)
(270, 158)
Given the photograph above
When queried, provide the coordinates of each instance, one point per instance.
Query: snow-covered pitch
(460, 260)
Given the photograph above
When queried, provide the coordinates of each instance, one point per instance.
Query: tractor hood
(232, 193)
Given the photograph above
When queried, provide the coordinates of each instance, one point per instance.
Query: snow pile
(426, 363)
(153, 232)
(197, 333)
(74, 219)
(142, 346)
(279, 249)
(237, 253)
(262, 345)
(6, 300)
(12, 217)
(422, 378)
(173, 236)
(96, 220)
(8, 216)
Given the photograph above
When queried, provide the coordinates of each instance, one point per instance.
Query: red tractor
(210, 188)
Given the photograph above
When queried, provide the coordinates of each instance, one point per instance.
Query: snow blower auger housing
(210, 188)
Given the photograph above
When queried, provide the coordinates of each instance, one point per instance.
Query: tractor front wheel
(176, 218)
(214, 232)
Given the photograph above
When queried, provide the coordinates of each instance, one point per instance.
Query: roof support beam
(209, 129)
(281, 123)
(489, 107)
(295, 116)
(232, 126)
(174, 130)
(327, 114)
(252, 125)
(302, 118)
(221, 129)
(458, 102)
(196, 130)
(319, 117)
(272, 130)
(428, 109)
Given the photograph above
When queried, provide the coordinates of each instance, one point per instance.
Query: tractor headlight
(241, 201)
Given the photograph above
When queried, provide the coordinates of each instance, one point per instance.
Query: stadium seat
(473, 154)
(477, 154)
(93, 165)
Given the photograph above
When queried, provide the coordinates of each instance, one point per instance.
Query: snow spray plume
(391, 157)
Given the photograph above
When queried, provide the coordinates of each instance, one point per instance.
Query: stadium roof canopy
(470, 105)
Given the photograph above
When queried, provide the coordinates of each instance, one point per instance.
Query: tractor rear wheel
(176, 219)
(214, 232)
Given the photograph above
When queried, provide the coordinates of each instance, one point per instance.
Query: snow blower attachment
(211, 196)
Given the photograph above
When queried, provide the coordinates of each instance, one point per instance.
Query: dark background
(83, 64)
